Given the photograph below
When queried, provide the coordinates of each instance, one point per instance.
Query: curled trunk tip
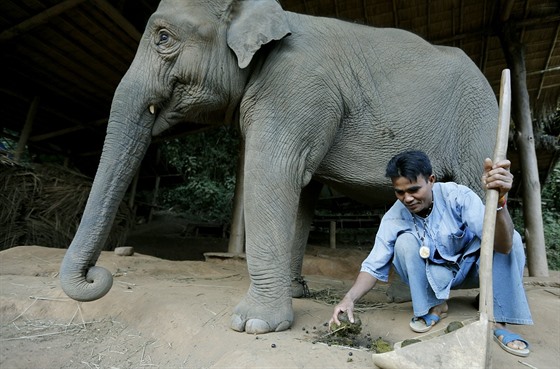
(86, 287)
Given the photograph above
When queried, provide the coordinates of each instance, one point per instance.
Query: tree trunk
(521, 113)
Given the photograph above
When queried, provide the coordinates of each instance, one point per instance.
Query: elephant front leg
(271, 205)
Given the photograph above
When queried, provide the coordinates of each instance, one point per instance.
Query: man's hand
(497, 176)
(347, 306)
(362, 285)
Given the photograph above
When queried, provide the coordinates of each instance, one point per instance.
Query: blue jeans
(510, 301)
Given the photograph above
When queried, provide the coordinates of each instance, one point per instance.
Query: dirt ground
(175, 314)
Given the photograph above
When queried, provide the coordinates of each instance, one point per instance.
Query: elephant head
(191, 66)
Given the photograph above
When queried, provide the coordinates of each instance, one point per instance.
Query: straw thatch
(43, 205)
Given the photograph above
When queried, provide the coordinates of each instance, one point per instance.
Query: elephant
(318, 101)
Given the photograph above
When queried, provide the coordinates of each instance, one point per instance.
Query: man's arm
(498, 177)
(362, 285)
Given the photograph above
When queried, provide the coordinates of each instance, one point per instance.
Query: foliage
(551, 126)
(551, 218)
(8, 147)
(208, 162)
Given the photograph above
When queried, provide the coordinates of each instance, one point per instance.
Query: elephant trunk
(129, 134)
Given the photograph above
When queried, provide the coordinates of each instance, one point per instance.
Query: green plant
(551, 217)
(208, 162)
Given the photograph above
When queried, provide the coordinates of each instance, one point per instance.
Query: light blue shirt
(455, 220)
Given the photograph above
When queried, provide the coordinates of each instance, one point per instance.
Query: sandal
(422, 324)
(508, 337)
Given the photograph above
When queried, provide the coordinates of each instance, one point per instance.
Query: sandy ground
(176, 314)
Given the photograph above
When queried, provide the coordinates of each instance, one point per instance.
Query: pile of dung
(43, 205)
(350, 335)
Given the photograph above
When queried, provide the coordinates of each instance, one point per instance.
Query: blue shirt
(455, 221)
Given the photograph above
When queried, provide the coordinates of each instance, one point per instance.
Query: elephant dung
(346, 327)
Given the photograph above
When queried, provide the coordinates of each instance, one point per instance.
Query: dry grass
(94, 342)
(43, 205)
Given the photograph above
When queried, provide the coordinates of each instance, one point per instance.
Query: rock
(124, 251)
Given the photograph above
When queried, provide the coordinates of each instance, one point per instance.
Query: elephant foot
(256, 326)
(255, 318)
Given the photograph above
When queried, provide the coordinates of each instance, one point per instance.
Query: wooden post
(26, 131)
(156, 187)
(521, 113)
(133, 188)
(132, 198)
(332, 234)
(236, 243)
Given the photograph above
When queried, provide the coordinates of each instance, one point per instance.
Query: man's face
(417, 195)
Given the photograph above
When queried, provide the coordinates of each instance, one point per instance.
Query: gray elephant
(317, 100)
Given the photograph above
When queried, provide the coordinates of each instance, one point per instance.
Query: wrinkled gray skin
(317, 100)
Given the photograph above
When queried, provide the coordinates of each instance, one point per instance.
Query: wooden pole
(236, 243)
(156, 187)
(332, 234)
(531, 194)
(486, 303)
(24, 136)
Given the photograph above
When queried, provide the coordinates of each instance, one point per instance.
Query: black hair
(409, 164)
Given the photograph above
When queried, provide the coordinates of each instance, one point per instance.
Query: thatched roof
(71, 54)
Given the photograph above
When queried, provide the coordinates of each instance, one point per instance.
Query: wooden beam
(484, 42)
(428, 19)
(38, 20)
(506, 10)
(549, 86)
(60, 132)
(118, 18)
(24, 136)
(395, 14)
(548, 60)
(484, 54)
(489, 31)
(306, 7)
(537, 21)
(336, 8)
(461, 21)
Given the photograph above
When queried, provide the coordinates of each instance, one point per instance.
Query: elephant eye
(163, 37)
(165, 41)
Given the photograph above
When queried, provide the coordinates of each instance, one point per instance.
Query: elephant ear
(255, 23)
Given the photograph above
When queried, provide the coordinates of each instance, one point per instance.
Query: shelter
(68, 56)
(62, 60)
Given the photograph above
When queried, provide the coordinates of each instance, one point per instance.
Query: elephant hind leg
(306, 211)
